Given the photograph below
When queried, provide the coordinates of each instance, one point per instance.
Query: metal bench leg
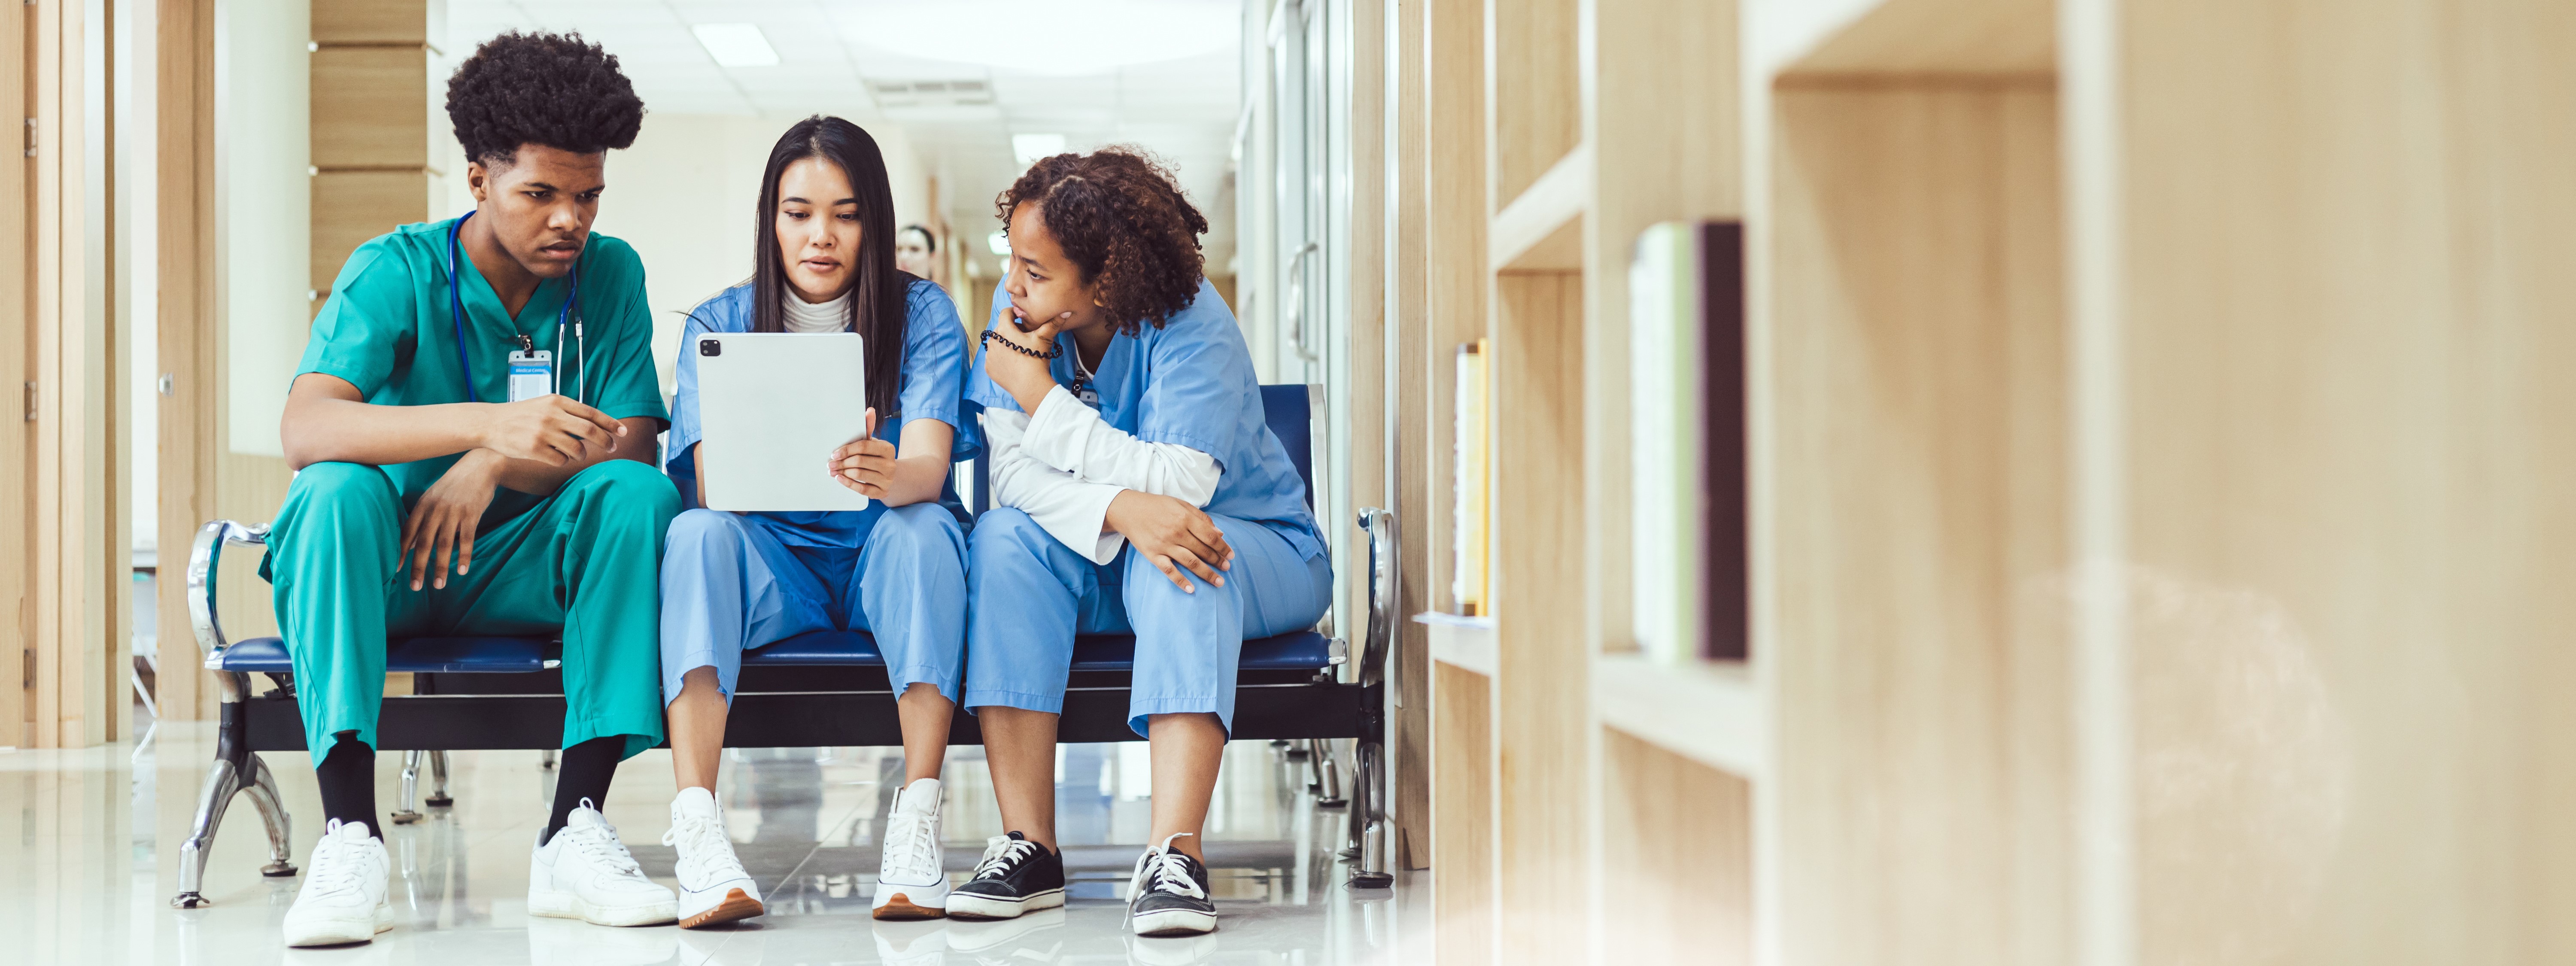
(262, 789)
(1328, 774)
(212, 798)
(235, 769)
(409, 797)
(438, 797)
(1376, 837)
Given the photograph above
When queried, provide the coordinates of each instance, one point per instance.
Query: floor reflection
(93, 875)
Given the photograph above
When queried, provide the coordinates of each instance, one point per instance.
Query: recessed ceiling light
(736, 44)
(1030, 147)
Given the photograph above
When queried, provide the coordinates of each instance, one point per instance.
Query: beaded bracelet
(992, 335)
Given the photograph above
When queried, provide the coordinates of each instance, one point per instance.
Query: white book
(1664, 419)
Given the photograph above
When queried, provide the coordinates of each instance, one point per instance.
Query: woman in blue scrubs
(1138, 490)
(824, 261)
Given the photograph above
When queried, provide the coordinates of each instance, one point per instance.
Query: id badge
(532, 374)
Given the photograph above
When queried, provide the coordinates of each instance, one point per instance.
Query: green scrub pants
(584, 563)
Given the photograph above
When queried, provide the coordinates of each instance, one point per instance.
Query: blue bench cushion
(1302, 651)
(482, 655)
(1287, 652)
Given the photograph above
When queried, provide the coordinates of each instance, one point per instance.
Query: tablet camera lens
(711, 347)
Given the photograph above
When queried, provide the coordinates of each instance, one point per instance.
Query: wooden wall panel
(1921, 528)
(370, 108)
(1409, 342)
(1463, 805)
(1679, 845)
(388, 22)
(188, 336)
(70, 379)
(351, 207)
(2346, 312)
(1543, 689)
(17, 309)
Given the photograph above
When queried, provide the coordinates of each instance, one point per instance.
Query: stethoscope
(456, 304)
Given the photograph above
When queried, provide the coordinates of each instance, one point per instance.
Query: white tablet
(774, 405)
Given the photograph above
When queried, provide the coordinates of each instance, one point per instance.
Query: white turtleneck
(811, 317)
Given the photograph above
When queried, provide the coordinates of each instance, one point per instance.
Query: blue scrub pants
(1031, 594)
(729, 585)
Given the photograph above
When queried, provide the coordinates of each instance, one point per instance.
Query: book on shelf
(1472, 528)
(1686, 449)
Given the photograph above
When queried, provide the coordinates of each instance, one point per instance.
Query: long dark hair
(878, 310)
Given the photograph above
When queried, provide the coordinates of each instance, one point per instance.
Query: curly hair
(1123, 222)
(557, 90)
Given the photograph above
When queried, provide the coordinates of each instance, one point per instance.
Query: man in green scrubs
(453, 483)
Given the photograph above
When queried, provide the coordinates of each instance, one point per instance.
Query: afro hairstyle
(1123, 222)
(557, 90)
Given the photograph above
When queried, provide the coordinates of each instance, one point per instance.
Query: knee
(627, 490)
(1004, 535)
(920, 528)
(342, 484)
(695, 532)
(342, 491)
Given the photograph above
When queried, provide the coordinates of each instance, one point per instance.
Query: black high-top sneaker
(1170, 894)
(1016, 876)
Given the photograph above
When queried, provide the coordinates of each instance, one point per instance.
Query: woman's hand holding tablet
(865, 465)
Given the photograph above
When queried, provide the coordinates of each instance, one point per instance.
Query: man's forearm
(323, 430)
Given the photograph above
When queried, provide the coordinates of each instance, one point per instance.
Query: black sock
(583, 772)
(348, 778)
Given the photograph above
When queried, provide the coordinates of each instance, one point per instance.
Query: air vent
(931, 93)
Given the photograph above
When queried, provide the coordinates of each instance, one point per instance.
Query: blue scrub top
(934, 370)
(390, 329)
(1191, 382)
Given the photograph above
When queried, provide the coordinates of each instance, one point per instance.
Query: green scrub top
(388, 329)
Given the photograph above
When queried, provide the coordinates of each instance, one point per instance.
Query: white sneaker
(343, 899)
(713, 887)
(910, 882)
(585, 873)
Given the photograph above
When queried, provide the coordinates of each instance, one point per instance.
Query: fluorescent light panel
(736, 44)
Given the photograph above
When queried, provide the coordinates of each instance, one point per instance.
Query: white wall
(264, 207)
(138, 230)
(683, 197)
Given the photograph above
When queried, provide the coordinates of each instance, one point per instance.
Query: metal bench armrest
(1377, 657)
(205, 565)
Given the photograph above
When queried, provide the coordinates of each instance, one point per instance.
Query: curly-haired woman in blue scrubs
(1139, 490)
(824, 261)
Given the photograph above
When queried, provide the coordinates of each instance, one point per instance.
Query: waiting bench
(824, 688)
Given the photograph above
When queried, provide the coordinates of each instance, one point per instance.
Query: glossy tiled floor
(89, 839)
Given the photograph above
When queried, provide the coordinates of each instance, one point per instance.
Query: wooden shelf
(1924, 39)
(1709, 713)
(1541, 230)
(1466, 643)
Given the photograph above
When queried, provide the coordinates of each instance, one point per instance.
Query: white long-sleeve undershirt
(1063, 468)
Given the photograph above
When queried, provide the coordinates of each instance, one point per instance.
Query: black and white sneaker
(1016, 876)
(1169, 895)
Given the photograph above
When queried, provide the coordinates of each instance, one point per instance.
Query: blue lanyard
(456, 310)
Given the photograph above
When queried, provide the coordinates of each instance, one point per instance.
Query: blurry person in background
(916, 250)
